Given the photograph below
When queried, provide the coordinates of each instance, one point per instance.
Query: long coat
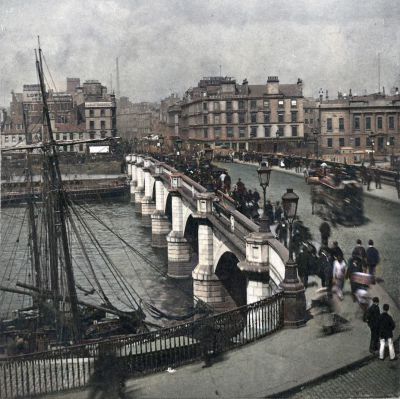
(386, 326)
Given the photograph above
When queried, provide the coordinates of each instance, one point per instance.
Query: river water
(383, 220)
(139, 278)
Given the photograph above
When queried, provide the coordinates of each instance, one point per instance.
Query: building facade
(265, 118)
(364, 123)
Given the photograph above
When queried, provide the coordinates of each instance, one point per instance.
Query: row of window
(242, 104)
(252, 132)
(357, 142)
(102, 112)
(14, 139)
(253, 118)
(357, 123)
(92, 124)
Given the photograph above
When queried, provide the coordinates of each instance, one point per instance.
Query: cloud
(169, 45)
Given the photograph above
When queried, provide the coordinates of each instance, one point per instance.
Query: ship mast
(57, 199)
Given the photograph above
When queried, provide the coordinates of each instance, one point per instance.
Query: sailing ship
(56, 315)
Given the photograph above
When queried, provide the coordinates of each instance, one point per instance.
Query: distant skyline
(167, 46)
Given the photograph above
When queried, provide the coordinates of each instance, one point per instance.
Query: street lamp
(178, 146)
(289, 202)
(293, 289)
(160, 144)
(390, 143)
(372, 141)
(264, 174)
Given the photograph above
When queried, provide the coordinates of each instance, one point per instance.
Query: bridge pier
(128, 160)
(160, 225)
(256, 267)
(148, 205)
(139, 192)
(179, 265)
(207, 286)
(132, 172)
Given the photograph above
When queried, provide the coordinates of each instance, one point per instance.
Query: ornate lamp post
(372, 141)
(178, 146)
(390, 144)
(293, 289)
(161, 144)
(264, 174)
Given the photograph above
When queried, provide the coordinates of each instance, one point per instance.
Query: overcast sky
(168, 45)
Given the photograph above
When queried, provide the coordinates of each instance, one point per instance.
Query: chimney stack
(273, 85)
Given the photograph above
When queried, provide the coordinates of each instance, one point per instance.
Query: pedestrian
(339, 273)
(368, 176)
(325, 231)
(278, 211)
(256, 197)
(359, 252)
(397, 183)
(240, 187)
(227, 183)
(336, 251)
(281, 232)
(303, 260)
(371, 316)
(373, 258)
(386, 327)
(270, 211)
(377, 177)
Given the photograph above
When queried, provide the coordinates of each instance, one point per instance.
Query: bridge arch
(233, 280)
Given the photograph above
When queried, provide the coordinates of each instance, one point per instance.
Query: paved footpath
(281, 362)
(386, 193)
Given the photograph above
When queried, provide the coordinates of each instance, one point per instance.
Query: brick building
(364, 123)
(267, 117)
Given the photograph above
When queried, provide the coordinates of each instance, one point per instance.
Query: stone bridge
(207, 239)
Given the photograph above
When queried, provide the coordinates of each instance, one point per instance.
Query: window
(281, 117)
(356, 122)
(266, 103)
(329, 143)
(253, 104)
(217, 132)
(91, 112)
(58, 136)
(253, 131)
(294, 116)
(228, 105)
(254, 117)
(80, 147)
(341, 141)
(205, 121)
(368, 142)
(306, 121)
(205, 133)
(102, 112)
(20, 138)
(71, 136)
(391, 140)
(391, 122)
(91, 125)
(381, 142)
(294, 131)
(242, 131)
(102, 125)
(91, 135)
(80, 136)
(311, 121)
(229, 132)
(229, 118)
(241, 104)
(267, 131)
(216, 119)
(379, 122)
(65, 137)
(280, 132)
(6, 139)
(266, 117)
(204, 106)
(368, 123)
(13, 139)
(341, 124)
(216, 106)
(329, 124)
(357, 142)
(242, 117)
(103, 135)
(280, 104)
(293, 103)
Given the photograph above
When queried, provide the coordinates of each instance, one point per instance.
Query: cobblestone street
(375, 379)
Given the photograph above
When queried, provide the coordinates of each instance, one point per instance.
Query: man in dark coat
(281, 232)
(336, 251)
(373, 258)
(359, 252)
(372, 318)
(325, 231)
(386, 327)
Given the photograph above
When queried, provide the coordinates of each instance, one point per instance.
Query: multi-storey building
(365, 123)
(268, 118)
(87, 113)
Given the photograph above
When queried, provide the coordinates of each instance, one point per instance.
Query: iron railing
(72, 367)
